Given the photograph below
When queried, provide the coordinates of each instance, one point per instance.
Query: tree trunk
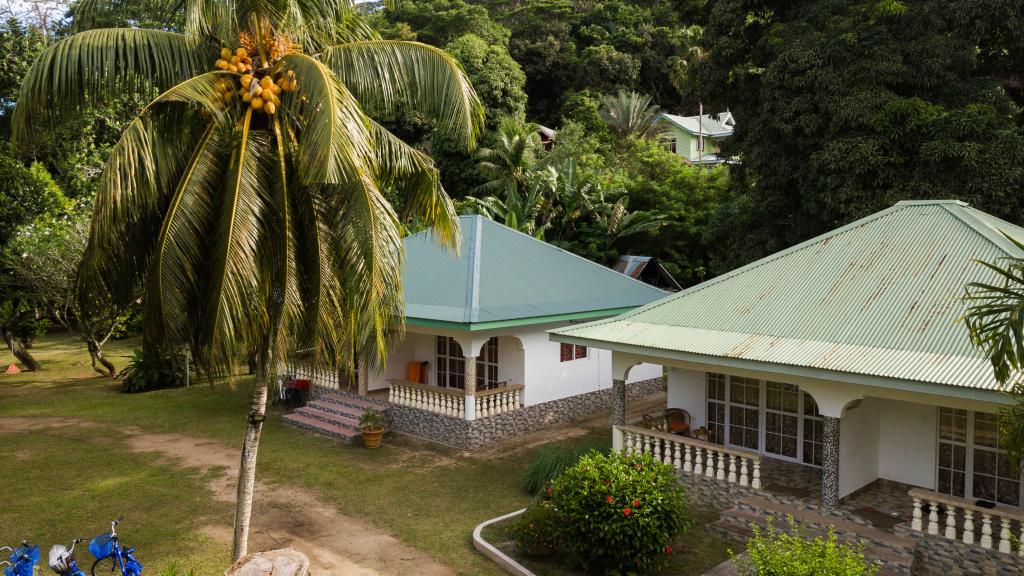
(16, 345)
(96, 355)
(247, 467)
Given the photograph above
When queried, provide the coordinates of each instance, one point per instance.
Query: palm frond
(413, 172)
(179, 256)
(370, 261)
(84, 68)
(334, 138)
(384, 74)
(233, 312)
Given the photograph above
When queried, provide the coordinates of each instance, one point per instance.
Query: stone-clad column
(830, 463)
(618, 402)
(470, 388)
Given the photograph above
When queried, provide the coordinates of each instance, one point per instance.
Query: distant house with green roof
(476, 363)
(697, 139)
(841, 360)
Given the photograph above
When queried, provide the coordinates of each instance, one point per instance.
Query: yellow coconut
(246, 97)
(241, 53)
(275, 89)
(257, 103)
(246, 80)
(266, 81)
(225, 53)
(269, 108)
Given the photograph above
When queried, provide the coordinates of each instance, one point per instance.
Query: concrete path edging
(489, 550)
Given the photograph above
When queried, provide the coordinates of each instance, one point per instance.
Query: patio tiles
(883, 503)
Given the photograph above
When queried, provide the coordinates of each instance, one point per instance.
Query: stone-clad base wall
(937, 555)
(708, 493)
(492, 429)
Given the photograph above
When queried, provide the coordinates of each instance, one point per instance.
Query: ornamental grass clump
(793, 553)
(619, 512)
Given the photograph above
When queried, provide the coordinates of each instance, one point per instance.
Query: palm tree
(630, 115)
(508, 164)
(531, 212)
(619, 222)
(247, 196)
(995, 319)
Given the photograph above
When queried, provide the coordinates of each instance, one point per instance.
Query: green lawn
(66, 481)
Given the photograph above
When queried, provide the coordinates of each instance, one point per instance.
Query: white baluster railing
(499, 400)
(996, 532)
(691, 456)
(425, 397)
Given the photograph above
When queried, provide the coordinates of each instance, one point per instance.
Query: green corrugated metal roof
(502, 275)
(878, 297)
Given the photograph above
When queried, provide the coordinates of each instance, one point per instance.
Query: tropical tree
(508, 163)
(530, 212)
(995, 319)
(618, 221)
(247, 199)
(630, 115)
(43, 268)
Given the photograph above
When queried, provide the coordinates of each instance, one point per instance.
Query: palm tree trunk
(247, 467)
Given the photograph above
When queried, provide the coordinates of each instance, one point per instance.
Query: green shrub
(153, 371)
(619, 512)
(552, 459)
(537, 531)
(792, 553)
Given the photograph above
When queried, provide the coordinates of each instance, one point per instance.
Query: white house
(841, 360)
(476, 364)
(697, 138)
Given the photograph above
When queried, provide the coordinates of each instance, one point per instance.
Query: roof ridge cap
(995, 236)
(551, 246)
(472, 312)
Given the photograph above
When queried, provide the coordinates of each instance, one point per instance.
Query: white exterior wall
(911, 459)
(525, 356)
(687, 390)
(548, 378)
(858, 446)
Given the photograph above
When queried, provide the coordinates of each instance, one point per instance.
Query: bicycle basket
(102, 546)
(58, 558)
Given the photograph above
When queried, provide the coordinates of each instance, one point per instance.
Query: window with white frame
(972, 460)
(716, 408)
(450, 364)
(487, 366)
(775, 418)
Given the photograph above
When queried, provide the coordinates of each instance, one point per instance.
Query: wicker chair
(677, 421)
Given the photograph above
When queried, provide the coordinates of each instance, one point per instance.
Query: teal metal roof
(717, 126)
(504, 276)
(879, 297)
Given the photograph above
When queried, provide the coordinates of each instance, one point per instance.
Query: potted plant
(373, 431)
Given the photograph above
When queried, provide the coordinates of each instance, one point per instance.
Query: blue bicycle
(62, 559)
(110, 557)
(22, 560)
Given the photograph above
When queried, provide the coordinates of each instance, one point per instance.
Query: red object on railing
(299, 384)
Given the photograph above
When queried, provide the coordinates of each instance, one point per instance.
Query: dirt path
(336, 544)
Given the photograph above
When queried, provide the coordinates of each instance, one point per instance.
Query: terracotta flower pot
(373, 438)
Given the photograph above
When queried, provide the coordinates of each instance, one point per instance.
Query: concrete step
(333, 418)
(894, 552)
(355, 401)
(335, 408)
(312, 424)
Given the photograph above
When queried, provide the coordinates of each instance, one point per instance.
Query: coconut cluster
(264, 93)
(237, 61)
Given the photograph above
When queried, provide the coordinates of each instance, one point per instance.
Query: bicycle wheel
(105, 567)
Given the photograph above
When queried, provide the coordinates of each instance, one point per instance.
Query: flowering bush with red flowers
(538, 531)
(619, 512)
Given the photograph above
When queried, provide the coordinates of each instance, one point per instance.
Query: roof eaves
(940, 389)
